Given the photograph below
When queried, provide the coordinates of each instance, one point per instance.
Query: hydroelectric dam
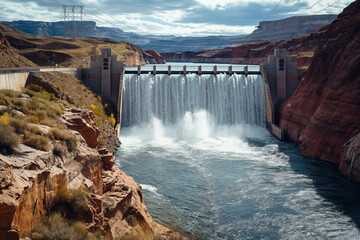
(194, 137)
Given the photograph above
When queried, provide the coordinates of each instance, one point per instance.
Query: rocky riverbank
(32, 180)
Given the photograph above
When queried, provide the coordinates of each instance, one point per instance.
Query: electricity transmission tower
(71, 15)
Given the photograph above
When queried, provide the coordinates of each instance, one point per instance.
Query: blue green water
(238, 183)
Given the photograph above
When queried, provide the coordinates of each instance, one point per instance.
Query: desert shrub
(79, 231)
(20, 105)
(58, 134)
(59, 150)
(49, 122)
(19, 124)
(124, 187)
(98, 111)
(71, 144)
(34, 129)
(57, 227)
(5, 119)
(8, 139)
(71, 197)
(40, 114)
(35, 88)
(40, 92)
(9, 93)
(37, 104)
(36, 141)
(111, 119)
(4, 100)
(54, 110)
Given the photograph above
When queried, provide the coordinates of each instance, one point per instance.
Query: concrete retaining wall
(13, 81)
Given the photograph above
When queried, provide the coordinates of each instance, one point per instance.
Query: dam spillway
(227, 99)
(223, 176)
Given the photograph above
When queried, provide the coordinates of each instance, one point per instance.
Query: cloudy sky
(169, 17)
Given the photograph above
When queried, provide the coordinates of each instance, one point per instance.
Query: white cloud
(164, 21)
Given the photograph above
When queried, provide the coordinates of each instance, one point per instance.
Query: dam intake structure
(227, 99)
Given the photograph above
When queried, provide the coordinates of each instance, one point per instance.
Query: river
(220, 177)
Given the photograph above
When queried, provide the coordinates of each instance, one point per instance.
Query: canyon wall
(269, 30)
(289, 27)
(324, 112)
(68, 52)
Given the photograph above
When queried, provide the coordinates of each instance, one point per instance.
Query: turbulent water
(230, 100)
(221, 176)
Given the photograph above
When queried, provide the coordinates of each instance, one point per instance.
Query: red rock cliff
(324, 112)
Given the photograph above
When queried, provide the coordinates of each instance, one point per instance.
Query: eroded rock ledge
(30, 181)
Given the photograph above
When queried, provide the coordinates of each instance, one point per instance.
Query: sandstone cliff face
(154, 57)
(324, 112)
(255, 52)
(289, 27)
(31, 181)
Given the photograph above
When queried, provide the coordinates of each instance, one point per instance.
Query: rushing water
(226, 177)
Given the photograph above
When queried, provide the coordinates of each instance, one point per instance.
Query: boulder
(83, 121)
(107, 158)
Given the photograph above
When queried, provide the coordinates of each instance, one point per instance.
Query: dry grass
(19, 123)
(71, 197)
(57, 227)
(36, 141)
(42, 108)
(8, 139)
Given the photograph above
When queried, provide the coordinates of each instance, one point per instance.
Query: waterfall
(228, 100)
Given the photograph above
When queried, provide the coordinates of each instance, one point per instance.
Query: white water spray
(192, 106)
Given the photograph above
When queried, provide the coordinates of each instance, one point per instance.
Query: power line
(327, 6)
(292, 7)
(308, 8)
(102, 11)
(272, 11)
(95, 15)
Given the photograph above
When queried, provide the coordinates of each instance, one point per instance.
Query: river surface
(198, 147)
(240, 184)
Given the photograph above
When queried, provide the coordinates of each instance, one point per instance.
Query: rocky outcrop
(32, 179)
(350, 160)
(83, 121)
(255, 52)
(324, 112)
(4, 44)
(289, 27)
(33, 183)
(154, 57)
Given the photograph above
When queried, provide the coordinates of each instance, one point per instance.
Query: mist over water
(222, 176)
(228, 99)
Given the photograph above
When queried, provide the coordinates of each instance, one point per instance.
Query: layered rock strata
(31, 180)
(324, 112)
